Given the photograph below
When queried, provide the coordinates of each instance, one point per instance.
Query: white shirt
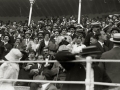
(46, 43)
(101, 43)
(44, 86)
(77, 49)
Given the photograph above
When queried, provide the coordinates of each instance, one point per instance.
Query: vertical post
(30, 14)
(88, 70)
(79, 12)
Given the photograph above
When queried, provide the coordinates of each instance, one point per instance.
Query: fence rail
(87, 81)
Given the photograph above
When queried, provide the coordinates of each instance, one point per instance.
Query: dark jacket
(112, 68)
(76, 72)
(103, 49)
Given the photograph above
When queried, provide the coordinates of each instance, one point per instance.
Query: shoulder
(106, 54)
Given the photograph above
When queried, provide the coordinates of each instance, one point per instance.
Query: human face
(45, 51)
(47, 36)
(114, 31)
(40, 57)
(64, 31)
(93, 40)
(56, 33)
(40, 36)
(31, 54)
(103, 35)
(78, 41)
(17, 40)
(6, 38)
(72, 30)
(27, 35)
(95, 29)
(36, 40)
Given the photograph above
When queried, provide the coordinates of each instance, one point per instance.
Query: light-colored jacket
(8, 71)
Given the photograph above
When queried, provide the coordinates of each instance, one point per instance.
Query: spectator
(114, 53)
(76, 72)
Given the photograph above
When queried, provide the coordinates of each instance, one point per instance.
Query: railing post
(88, 70)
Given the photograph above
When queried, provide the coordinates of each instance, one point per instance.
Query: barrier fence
(87, 81)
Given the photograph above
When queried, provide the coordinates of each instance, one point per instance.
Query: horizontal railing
(87, 81)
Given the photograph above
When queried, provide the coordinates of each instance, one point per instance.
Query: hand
(36, 71)
(27, 67)
(46, 65)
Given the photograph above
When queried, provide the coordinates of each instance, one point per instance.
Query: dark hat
(80, 30)
(71, 26)
(116, 38)
(65, 55)
(106, 28)
(90, 50)
(95, 24)
(115, 28)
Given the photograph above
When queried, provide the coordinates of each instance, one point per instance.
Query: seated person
(45, 75)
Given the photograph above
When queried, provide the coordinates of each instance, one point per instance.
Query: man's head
(64, 31)
(40, 35)
(46, 35)
(56, 33)
(18, 40)
(45, 51)
(101, 36)
(95, 27)
(93, 40)
(72, 29)
(6, 38)
(27, 34)
(32, 54)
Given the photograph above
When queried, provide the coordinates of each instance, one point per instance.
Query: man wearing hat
(77, 71)
(27, 38)
(72, 31)
(95, 28)
(112, 69)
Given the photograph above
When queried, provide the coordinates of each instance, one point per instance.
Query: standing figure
(9, 70)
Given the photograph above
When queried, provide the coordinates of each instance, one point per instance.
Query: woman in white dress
(10, 70)
(33, 44)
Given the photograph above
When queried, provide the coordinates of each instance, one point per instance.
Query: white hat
(116, 38)
(14, 55)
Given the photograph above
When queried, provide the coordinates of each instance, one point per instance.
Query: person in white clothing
(10, 70)
(76, 46)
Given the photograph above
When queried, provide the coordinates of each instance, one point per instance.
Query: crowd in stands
(43, 39)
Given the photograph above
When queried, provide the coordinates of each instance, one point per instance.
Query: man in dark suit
(44, 42)
(77, 72)
(113, 68)
(101, 37)
(6, 46)
(72, 31)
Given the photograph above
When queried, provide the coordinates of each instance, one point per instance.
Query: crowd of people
(62, 39)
